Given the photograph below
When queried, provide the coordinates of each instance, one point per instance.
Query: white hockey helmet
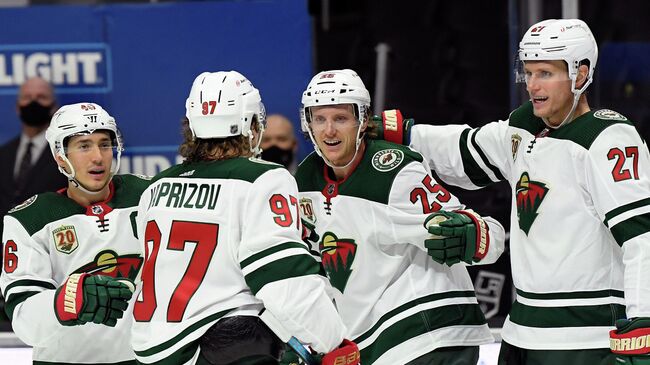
(332, 88)
(223, 104)
(81, 119)
(569, 40)
(335, 87)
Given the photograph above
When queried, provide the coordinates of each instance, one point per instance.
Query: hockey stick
(269, 319)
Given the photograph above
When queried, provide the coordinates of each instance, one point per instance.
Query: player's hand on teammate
(87, 298)
(456, 236)
(630, 341)
(392, 127)
(309, 235)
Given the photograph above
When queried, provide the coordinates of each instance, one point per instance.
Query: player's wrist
(478, 241)
(68, 300)
(631, 337)
(392, 127)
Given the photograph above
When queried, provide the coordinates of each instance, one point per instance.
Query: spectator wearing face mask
(27, 158)
(279, 143)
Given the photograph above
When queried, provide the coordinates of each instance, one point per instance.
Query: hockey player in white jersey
(222, 237)
(580, 179)
(369, 201)
(70, 256)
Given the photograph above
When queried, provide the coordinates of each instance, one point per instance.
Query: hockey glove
(392, 127)
(461, 235)
(630, 341)
(309, 235)
(346, 354)
(92, 298)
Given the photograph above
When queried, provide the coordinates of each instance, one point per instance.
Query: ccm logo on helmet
(70, 67)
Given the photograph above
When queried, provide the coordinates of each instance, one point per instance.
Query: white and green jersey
(397, 303)
(580, 218)
(49, 237)
(223, 238)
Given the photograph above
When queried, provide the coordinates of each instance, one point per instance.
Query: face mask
(35, 114)
(278, 155)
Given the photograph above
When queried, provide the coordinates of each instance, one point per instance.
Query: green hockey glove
(630, 341)
(92, 298)
(461, 235)
(392, 127)
(309, 235)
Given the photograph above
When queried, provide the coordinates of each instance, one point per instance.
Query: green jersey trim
(494, 169)
(15, 299)
(239, 168)
(572, 295)
(630, 228)
(284, 268)
(310, 174)
(524, 118)
(174, 340)
(419, 323)
(128, 362)
(28, 282)
(472, 169)
(603, 315)
(624, 208)
(269, 251)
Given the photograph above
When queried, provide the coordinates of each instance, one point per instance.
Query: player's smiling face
(91, 156)
(549, 87)
(335, 132)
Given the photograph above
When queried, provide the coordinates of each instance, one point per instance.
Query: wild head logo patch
(65, 239)
(530, 195)
(337, 256)
(386, 160)
(111, 264)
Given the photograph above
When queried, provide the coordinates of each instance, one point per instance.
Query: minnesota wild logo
(111, 264)
(529, 197)
(337, 256)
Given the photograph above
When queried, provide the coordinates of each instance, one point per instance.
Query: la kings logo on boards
(530, 195)
(386, 160)
(488, 286)
(65, 239)
(71, 67)
(607, 114)
(337, 256)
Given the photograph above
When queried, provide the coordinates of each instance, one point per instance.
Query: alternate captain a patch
(386, 160)
(337, 255)
(65, 239)
(530, 195)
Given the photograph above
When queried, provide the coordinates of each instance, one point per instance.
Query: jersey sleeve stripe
(631, 228)
(14, 299)
(269, 251)
(209, 320)
(494, 169)
(572, 295)
(284, 268)
(570, 316)
(406, 306)
(26, 283)
(472, 169)
(625, 208)
(420, 323)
